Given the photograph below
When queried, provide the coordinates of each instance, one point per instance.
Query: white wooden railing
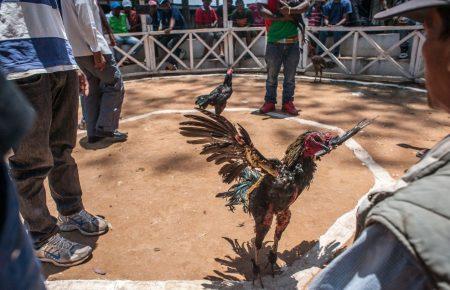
(235, 49)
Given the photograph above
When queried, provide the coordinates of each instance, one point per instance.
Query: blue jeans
(129, 40)
(337, 35)
(278, 54)
(126, 40)
(404, 47)
(19, 268)
(104, 102)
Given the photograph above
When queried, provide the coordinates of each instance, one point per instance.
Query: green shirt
(279, 30)
(119, 24)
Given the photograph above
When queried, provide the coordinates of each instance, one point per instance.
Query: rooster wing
(225, 143)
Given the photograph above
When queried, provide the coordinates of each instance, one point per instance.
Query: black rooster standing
(219, 96)
(265, 187)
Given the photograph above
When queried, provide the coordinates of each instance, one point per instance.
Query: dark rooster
(319, 63)
(219, 96)
(265, 187)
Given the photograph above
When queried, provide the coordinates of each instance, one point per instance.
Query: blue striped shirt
(33, 39)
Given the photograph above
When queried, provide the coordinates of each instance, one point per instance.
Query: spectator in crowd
(243, 17)
(315, 19)
(41, 62)
(404, 47)
(258, 20)
(362, 9)
(19, 268)
(133, 18)
(153, 18)
(93, 55)
(231, 9)
(118, 21)
(335, 13)
(171, 19)
(282, 50)
(402, 235)
(206, 17)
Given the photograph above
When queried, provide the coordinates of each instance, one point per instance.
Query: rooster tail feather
(238, 193)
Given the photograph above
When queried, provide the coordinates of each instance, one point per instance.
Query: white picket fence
(370, 53)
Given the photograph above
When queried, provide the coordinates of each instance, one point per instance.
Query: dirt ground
(158, 192)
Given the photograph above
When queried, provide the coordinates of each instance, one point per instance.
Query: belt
(289, 40)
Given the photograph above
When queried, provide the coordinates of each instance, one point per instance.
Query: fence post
(150, 50)
(230, 41)
(191, 51)
(145, 28)
(355, 51)
(413, 56)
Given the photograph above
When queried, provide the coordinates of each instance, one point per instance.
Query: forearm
(299, 9)
(342, 22)
(105, 23)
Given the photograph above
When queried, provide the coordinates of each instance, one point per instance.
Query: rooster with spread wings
(265, 187)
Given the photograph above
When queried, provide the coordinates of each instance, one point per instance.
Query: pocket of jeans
(30, 81)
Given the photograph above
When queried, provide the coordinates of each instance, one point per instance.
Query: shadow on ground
(241, 264)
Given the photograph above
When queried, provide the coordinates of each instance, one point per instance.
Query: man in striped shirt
(35, 53)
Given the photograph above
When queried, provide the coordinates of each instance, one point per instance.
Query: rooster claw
(272, 261)
(256, 273)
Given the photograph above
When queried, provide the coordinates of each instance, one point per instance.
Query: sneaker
(62, 252)
(267, 107)
(290, 109)
(114, 136)
(403, 55)
(84, 222)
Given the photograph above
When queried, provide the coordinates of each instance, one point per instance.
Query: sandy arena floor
(158, 192)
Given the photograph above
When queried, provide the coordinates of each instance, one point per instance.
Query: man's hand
(112, 40)
(82, 84)
(285, 10)
(167, 30)
(241, 22)
(99, 61)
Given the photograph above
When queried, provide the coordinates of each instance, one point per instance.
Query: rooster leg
(219, 107)
(263, 222)
(283, 219)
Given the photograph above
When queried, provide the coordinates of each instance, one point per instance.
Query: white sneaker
(62, 252)
(84, 222)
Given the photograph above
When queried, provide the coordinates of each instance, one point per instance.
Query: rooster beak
(325, 147)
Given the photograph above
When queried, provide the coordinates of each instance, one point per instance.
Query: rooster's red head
(315, 142)
(228, 78)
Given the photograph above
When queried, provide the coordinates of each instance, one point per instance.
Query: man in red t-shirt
(206, 17)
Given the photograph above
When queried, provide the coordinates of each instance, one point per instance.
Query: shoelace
(85, 215)
(57, 242)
